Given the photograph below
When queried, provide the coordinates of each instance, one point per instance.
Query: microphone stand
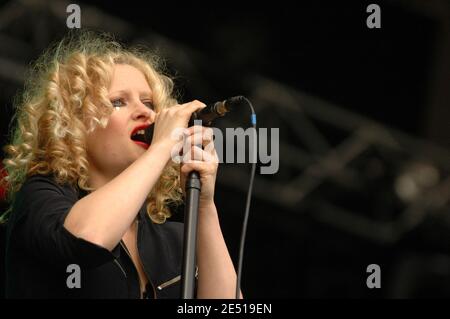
(193, 187)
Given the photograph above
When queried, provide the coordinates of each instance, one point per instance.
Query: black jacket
(39, 250)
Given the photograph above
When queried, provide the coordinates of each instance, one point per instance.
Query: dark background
(344, 78)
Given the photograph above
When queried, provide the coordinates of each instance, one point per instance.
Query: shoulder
(45, 182)
(38, 186)
(42, 195)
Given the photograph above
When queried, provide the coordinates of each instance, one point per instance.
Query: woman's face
(111, 149)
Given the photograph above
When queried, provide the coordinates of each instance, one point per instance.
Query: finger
(206, 133)
(176, 153)
(195, 153)
(198, 166)
(211, 150)
(199, 139)
(193, 106)
(194, 139)
(199, 128)
(208, 146)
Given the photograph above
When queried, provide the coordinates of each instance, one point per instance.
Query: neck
(97, 179)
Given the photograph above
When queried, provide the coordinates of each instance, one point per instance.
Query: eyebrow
(145, 95)
(142, 94)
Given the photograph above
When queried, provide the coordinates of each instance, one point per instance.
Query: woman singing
(88, 194)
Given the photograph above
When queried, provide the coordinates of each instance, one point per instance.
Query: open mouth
(138, 136)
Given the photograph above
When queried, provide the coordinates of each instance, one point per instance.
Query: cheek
(109, 140)
(115, 123)
(116, 129)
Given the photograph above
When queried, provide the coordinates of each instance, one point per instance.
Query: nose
(143, 112)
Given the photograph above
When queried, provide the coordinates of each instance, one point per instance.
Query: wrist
(162, 150)
(207, 205)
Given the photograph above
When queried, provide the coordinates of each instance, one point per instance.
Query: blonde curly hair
(64, 99)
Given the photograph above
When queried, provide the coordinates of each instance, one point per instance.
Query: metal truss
(333, 150)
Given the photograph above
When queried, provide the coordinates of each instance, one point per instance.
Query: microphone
(215, 110)
(207, 115)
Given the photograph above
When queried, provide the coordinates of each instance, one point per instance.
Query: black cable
(249, 195)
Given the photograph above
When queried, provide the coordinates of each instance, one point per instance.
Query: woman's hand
(203, 160)
(171, 120)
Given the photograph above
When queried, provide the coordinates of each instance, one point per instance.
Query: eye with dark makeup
(149, 104)
(121, 102)
(117, 102)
